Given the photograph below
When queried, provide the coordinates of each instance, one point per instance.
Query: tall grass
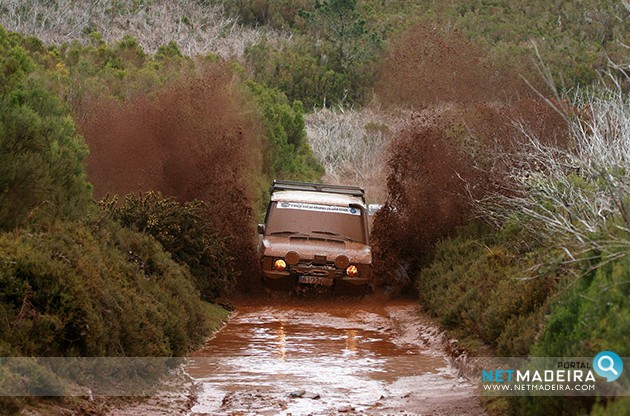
(197, 27)
(576, 196)
(352, 146)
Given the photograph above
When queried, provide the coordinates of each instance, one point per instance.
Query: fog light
(342, 261)
(292, 258)
(352, 271)
(280, 265)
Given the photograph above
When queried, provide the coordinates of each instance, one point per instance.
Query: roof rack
(318, 187)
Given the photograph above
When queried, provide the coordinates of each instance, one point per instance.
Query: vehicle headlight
(352, 270)
(280, 265)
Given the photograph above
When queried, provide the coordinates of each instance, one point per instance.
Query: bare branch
(197, 27)
(351, 145)
(575, 197)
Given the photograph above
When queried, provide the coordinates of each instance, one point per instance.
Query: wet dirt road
(326, 359)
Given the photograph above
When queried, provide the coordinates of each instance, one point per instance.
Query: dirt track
(332, 357)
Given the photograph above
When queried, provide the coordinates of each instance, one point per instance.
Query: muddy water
(326, 359)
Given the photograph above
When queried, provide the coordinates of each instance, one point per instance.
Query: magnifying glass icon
(610, 367)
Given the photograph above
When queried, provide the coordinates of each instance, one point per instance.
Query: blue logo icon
(608, 364)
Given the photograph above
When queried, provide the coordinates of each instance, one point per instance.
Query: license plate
(315, 280)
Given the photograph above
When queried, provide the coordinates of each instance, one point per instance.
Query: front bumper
(289, 278)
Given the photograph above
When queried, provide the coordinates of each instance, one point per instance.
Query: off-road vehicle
(316, 236)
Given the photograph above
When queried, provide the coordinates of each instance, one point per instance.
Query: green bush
(76, 287)
(121, 71)
(273, 13)
(592, 317)
(478, 281)
(289, 155)
(41, 175)
(497, 287)
(184, 231)
(330, 62)
(95, 289)
(301, 71)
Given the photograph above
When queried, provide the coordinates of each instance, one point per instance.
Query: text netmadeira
(527, 376)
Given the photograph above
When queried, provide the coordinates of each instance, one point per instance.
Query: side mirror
(261, 228)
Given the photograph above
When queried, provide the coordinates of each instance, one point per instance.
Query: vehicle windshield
(345, 223)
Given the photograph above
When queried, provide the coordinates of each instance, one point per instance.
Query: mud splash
(195, 138)
(319, 360)
(470, 109)
(432, 63)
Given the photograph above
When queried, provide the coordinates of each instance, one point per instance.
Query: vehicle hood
(308, 247)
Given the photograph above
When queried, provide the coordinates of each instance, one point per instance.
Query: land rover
(316, 235)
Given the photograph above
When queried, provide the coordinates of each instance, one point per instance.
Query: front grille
(323, 270)
(319, 260)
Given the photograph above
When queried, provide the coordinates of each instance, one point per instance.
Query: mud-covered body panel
(308, 248)
(316, 238)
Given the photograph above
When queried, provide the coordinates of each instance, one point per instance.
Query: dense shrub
(589, 317)
(592, 317)
(519, 296)
(288, 154)
(71, 286)
(335, 69)
(95, 289)
(300, 70)
(277, 14)
(41, 175)
(185, 232)
(482, 283)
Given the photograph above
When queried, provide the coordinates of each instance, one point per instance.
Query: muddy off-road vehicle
(316, 237)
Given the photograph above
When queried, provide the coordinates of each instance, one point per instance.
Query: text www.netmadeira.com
(538, 387)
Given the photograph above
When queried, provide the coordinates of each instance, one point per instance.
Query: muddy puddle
(327, 359)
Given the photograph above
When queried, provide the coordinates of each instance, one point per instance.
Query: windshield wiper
(333, 234)
(283, 232)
